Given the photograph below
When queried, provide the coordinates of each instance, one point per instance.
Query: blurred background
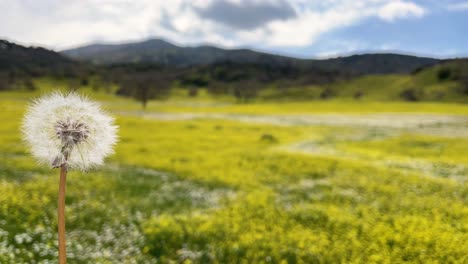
(262, 131)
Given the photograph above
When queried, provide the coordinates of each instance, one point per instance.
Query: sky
(301, 28)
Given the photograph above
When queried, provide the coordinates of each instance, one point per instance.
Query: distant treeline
(19, 66)
(246, 81)
(149, 81)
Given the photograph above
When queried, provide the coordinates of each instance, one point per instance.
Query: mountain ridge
(15, 56)
(162, 52)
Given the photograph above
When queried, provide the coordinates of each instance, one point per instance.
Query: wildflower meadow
(201, 182)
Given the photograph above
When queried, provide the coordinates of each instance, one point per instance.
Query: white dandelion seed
(69, 130)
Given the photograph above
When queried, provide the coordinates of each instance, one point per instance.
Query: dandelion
(68, 132)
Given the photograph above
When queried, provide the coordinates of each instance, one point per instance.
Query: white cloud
(63, 23)
(389, 46)
(307, 28)
(340, 48)
(458, 6)
(400, 9)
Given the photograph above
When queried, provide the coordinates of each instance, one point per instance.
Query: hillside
(445, 82)
(164, 53)
(32, 60)
(381, 63)
(20, 65)
(244, 74)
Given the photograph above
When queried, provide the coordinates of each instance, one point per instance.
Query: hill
(244, 74)
(19, 65)
(444, 82)
(164, 53)
(33, 60)
(378, 63)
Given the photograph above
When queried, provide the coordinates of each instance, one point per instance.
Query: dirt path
(402, 163)
(431, 124)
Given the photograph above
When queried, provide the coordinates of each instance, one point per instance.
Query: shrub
(444, 74)
(410, 94)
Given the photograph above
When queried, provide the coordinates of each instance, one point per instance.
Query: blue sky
(303, 28)
(440, 32)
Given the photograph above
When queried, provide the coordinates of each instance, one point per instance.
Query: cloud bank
(268, 23)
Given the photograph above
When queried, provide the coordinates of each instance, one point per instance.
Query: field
(208, 181)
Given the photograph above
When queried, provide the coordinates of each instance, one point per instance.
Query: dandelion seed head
(68, 129)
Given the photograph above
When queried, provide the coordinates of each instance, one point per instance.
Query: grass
(383, 91)
(426, 85)
(219, 191)
(331, 106)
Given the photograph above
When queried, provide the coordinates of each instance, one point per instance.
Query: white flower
(69, 130)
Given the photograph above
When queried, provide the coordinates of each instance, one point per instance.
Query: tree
(4, 81)
(246, 90)
(444, 74)
(144, 86)
(411, 95)
(29, 85)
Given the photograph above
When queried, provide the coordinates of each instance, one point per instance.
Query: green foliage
(444, 74)
(424, 86)
(444, 83)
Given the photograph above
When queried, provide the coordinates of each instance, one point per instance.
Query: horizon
(279, 53)
(296, 28)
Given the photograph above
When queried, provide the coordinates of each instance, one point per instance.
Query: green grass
(423, 86)
(218, 191)
(329, 106)
(381, 94)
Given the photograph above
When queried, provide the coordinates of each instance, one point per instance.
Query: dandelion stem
(61, 215)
